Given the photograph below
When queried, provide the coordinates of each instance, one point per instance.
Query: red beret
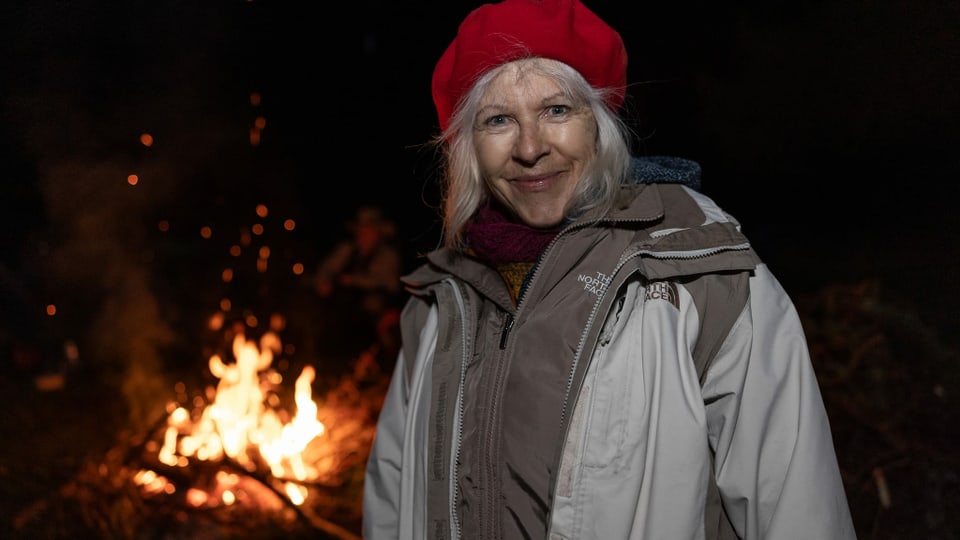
(563, 30)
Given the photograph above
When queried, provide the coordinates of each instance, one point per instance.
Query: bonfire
(248, 457)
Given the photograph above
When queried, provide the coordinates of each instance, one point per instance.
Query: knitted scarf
(509, 246)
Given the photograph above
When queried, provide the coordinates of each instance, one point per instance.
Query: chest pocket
(640, 370)
(612, 394)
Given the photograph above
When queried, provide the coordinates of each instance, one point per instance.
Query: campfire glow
(245, 453)
(240, 424)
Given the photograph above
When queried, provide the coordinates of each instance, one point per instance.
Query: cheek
(492, 154)
(576, 140)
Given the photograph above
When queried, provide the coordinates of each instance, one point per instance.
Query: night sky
(830, 129)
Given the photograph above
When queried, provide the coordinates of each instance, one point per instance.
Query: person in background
(596, 350)
(359, 283)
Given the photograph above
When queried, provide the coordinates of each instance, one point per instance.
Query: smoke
(113, 208)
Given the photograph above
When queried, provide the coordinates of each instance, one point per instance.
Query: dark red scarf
(498, 240)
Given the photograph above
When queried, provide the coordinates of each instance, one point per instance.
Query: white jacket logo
(595, 284)
(663, 290)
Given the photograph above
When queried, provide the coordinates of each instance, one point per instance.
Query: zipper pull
(506, 331)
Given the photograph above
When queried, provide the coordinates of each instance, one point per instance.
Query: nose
(531, 143)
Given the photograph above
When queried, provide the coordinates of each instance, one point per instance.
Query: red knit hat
(563, 30)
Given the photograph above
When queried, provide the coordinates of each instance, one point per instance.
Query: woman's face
(533, 144)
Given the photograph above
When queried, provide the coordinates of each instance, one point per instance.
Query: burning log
(295, 473)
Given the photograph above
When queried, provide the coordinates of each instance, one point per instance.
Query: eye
(496, 120)
(558, 110)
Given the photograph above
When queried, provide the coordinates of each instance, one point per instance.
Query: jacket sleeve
(394, 483)
(776, 466)
(381, 484)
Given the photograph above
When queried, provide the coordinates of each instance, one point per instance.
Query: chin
(541, 222)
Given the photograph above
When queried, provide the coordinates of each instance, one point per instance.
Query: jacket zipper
(458, 417)
(506, 331)
(508, 325)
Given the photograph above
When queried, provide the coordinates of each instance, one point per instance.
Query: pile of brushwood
(108, 497)
(892, 391)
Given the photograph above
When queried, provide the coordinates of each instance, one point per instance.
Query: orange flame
(238, 421)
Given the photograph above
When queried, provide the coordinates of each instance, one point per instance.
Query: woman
(589, 354)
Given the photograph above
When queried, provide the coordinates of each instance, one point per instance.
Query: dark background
(830, 129)
(824, 126)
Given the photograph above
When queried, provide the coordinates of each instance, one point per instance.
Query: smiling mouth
(535, 182)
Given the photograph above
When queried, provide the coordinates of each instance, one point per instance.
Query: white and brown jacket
(652, 363)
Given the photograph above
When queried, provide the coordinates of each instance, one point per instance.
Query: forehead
(521, 79)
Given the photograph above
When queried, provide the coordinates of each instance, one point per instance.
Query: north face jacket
(582, 408)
